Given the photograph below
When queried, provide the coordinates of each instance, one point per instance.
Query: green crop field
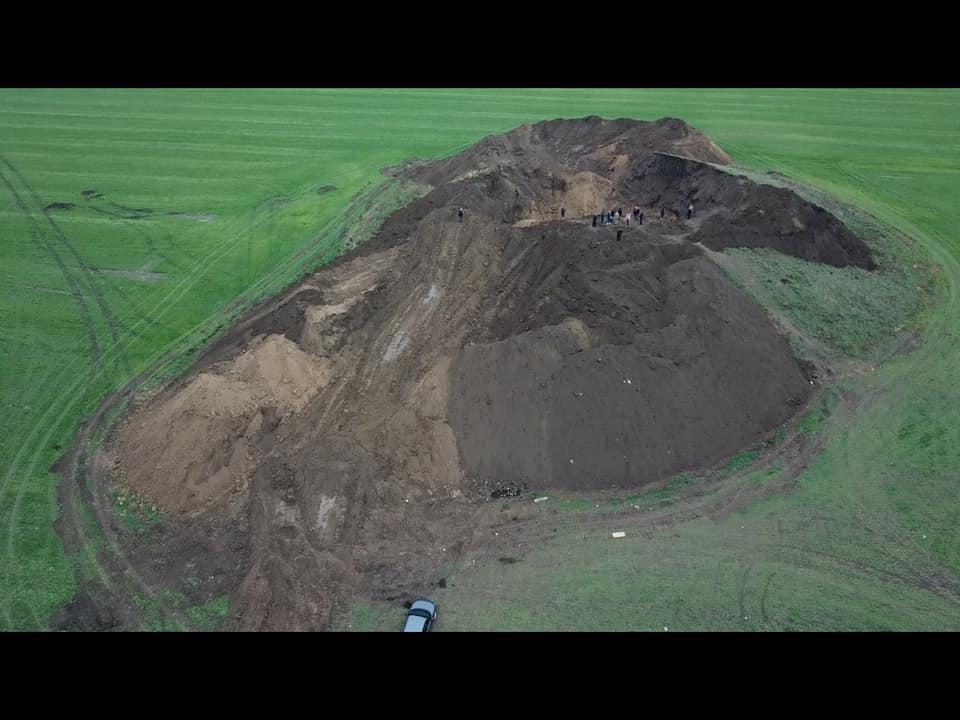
(136, 223)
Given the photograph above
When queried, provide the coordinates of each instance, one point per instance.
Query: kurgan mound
(517, 347)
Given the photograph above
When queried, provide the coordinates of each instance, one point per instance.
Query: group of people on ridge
(612, 216)
(616, 216)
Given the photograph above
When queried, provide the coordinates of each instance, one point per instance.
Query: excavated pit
(341, 433)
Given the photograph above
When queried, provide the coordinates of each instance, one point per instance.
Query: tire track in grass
(873, 514)
(154, 316)
(95, 290)
(763, 597)
(84, 383)
(159, 362)
(160, 309)
(86, 380)
(39, 240)
(114, 562)
(81, 387)
(93, 374)
(743, 592)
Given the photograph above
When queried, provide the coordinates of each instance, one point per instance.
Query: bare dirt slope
(341, 435)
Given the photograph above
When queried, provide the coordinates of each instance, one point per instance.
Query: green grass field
(203, 197)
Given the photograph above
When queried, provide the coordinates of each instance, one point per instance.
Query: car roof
(424, 604)
(415, 623)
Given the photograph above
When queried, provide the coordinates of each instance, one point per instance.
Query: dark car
(421, 616)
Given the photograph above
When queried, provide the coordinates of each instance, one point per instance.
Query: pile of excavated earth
(343, 434)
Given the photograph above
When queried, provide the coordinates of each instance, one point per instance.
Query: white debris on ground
(619, 534)
(541, 499)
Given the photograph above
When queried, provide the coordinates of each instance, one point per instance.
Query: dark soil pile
(352, 422)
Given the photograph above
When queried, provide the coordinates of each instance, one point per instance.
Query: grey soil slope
(344, 436)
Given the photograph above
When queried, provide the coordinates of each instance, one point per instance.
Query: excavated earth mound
(447, 361)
